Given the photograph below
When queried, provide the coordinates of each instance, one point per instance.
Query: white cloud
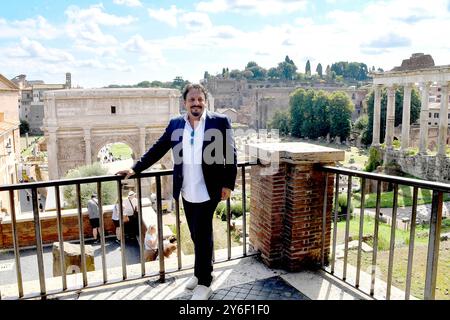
(146, 50)
(35, 50)
(196, 20)
(129, 3)
(83, 25)
(168, 16)
(262, 7)
(37, 28)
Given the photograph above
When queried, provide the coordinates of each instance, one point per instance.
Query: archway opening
(115, 156)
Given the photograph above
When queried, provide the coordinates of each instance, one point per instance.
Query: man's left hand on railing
(226, 193)
(127, 173)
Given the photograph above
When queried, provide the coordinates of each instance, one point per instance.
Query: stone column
(406, 116)
(87, 141)
(390, 117)
(425, 97)
(286, 208)
(376, 116)
(52, 151)
(443, 120)
(142, 149)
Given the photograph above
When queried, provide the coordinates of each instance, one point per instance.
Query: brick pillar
(286, 207)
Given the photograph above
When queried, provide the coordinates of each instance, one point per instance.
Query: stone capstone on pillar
(286, 210)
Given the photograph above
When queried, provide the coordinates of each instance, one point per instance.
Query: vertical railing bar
(140, 223)
(336, 205)
(162, 276)
(361, 230)
(392, 243)
(324, 219)
(228, 228)
(60, 238)
(122, 230)
(37, 231)
(81, 232)
(16, 243)
(244, 215)
(412, 236)
(433, 246)
(347, 225)
(177, 213)
(375, 239)
(102, 231)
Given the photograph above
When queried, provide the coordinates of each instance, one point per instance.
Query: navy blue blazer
(218, 173)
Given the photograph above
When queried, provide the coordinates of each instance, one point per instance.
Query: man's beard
(196, 113)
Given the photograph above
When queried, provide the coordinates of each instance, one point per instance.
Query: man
(94, 217)
(130, 207)
(205, 171)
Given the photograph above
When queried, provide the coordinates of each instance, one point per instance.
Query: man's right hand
(127, 173)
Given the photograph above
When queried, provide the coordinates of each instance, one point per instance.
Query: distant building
(9, 140)
(230, 112)
(31, 99)
(257, 101)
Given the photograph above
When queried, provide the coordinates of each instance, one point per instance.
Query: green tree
(319, 70)
(24, 127)
(415, 112)
(248, 74)
(287, 69)
(308, 68)
(296, 100)
(281, 121)
(236, 74)
(328, 72)
(179, 83)
(109, 193)
(259, 73)
(273, 73)
(144, 84)
(340, 114)
(206, 75)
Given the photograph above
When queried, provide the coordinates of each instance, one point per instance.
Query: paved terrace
(237, 279)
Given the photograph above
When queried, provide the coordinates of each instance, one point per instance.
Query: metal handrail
(56, 184)
(438, 189)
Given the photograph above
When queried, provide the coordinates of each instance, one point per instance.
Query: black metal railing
(157, 175)
(438, 190)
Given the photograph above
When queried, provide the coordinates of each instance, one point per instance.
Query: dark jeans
(199, 218)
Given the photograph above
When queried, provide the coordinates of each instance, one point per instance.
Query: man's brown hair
(191, 86)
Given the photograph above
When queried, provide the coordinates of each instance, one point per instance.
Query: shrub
(109, 193)
(374, 160)
(342, 205)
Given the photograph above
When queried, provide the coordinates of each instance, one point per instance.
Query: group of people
(130, 223)
(130, 216)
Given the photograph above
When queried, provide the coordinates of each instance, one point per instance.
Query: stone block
(72, 258)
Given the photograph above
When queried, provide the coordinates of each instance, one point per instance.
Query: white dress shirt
(194, 187)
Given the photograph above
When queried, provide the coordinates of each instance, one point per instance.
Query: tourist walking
(94, 217)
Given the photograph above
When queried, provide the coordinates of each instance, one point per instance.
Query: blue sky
(127, 41)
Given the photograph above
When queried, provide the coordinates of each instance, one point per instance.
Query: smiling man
(205, 169)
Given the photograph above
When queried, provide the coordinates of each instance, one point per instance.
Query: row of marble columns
(424, 117)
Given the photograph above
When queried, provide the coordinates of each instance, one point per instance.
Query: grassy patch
(405, 198)
(418, 269)
(121, 150)
(401, 255)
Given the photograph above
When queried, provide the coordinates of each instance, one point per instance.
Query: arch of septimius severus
(78, 123)
(418, 71)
